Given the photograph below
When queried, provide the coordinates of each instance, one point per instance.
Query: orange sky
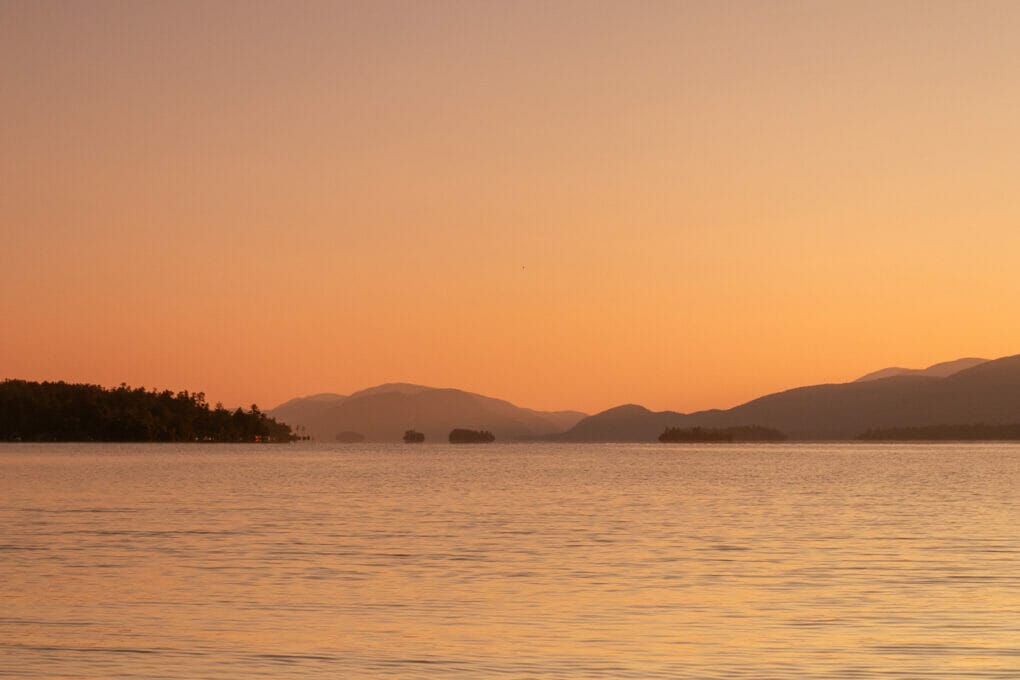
(711, 200)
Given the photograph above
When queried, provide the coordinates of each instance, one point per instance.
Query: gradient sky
(566, 204)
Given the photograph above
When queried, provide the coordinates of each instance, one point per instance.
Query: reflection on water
(614, 561)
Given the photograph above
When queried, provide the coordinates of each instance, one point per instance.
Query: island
(350, 437)
(413, 437)
(742, 433)
(460, 436)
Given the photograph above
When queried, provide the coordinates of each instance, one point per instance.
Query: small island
(743, 433)
(460, 436)
(414, 437)
(350, 437)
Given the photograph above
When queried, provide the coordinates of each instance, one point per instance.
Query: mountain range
(940, 370)
(986, 392)
(385, 412)
(963, 391)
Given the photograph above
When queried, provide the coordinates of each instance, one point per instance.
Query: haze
(566, 205)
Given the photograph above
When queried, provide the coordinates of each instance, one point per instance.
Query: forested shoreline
(59, 411)
(962, 432)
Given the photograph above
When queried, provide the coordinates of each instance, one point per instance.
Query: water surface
(517, 561)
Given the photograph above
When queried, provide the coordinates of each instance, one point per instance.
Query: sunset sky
(562, 204)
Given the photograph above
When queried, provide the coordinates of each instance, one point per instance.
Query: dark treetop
(58, 411)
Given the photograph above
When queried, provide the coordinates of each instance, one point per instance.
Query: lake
(516, 561)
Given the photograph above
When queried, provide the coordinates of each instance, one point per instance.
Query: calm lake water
(517, 561)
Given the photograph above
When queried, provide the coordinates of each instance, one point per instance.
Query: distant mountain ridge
(986, 392)
(301, 409)
(940, 370)
(386, 412)
(626, 423)
(963, 391)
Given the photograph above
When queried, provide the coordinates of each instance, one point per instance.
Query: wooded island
(744, 433)
(460, 436)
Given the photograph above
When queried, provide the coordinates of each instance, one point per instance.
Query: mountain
(941, 370)
(386, 388)
(628, 423)
(385, 412)
(988, 392)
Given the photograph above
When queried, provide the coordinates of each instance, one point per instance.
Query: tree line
(968, 432)
(59, 411)
(462, 436)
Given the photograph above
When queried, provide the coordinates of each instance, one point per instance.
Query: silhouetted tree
(58, 411)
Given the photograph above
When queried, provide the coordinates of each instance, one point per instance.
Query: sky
(569, 205)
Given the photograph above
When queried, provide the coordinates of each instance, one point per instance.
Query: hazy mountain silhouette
(386, 412)
(988, 392)
(299, 411)
(941, 370)
(402, 388)
(628, 423)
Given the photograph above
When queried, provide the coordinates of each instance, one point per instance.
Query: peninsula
(59, 411)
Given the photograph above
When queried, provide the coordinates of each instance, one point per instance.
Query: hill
(627, 423)
(988, 392)
(386, 412)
